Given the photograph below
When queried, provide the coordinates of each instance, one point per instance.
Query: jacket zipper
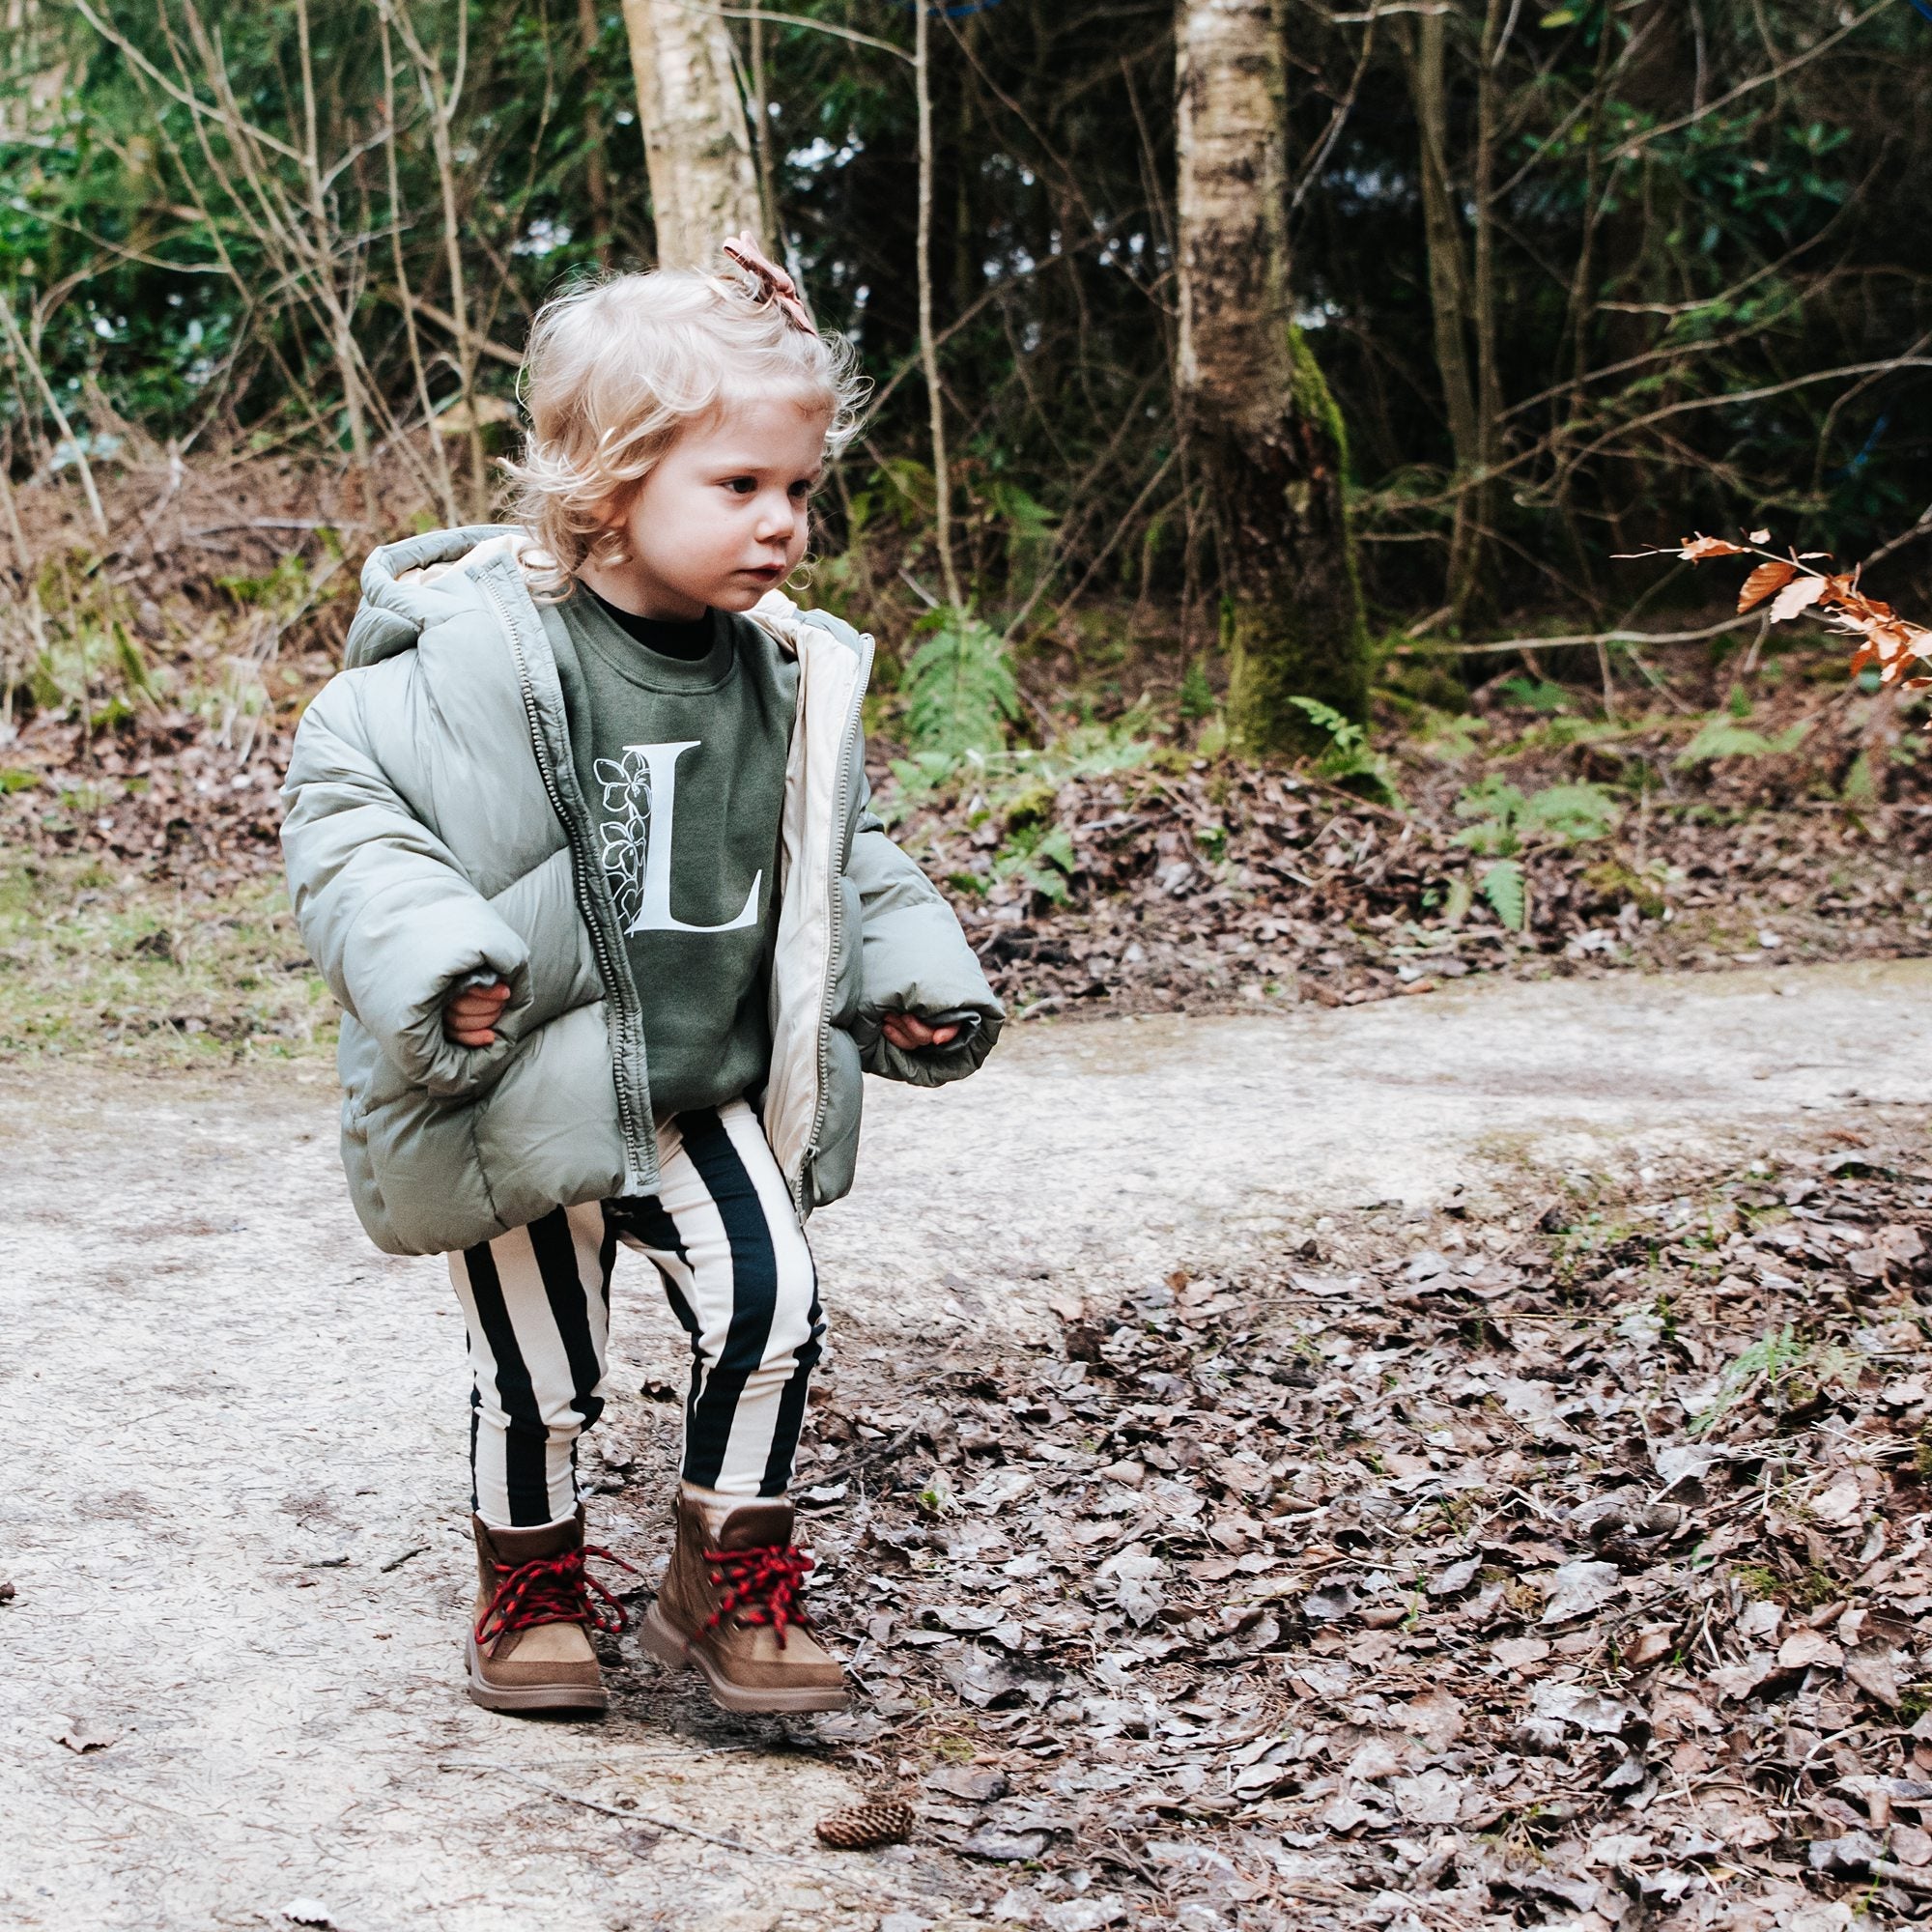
(835, 875)
(584, 890)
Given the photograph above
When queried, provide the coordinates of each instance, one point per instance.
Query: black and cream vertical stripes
(723, 1237)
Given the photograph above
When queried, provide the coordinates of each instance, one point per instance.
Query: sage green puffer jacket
(436, 836)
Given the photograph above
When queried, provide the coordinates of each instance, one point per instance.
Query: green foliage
(134, 242)
(1860, 786)
(958, 688)
(1772, 1365)
(1611, 878)
(1344, 736)
(1041, 857)
(1507, 891)
(904, 491)
(1020, 789)
(288, 589)
(84, 662)
(1721, 737)
(1197, 694)
(1019, 784)
(1506, 818)
(95, 963)
(1348, 761)
(1024, 526)
(1538, 693)
(97, 674)
(1420, 678)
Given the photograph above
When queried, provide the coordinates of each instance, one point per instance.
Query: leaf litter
(1572, 1569)
(1795, 829)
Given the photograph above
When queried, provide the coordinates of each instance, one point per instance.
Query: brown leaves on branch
(1893, 643)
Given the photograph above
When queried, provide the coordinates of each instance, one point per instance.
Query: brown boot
(730, 1605)
(529, 1636)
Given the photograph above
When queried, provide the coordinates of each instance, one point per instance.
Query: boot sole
(590, 1697)
(664, 1643)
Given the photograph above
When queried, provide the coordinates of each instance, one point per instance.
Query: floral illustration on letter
(640, 804)
(627, 829)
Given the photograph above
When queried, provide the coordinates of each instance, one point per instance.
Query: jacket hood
(406, 586)
(401, 597)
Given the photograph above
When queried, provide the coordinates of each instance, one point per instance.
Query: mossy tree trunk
(1260, 414)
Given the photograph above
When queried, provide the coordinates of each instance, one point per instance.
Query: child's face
(722, 518)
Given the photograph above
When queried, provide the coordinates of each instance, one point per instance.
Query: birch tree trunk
(1260, 414)
(697, 145)
(30, 64)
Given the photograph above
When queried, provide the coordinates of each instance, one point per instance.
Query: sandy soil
(235, 1515)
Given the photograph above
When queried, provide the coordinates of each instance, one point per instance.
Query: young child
(581, 839)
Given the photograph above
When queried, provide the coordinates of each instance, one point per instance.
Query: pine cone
(859, 1828)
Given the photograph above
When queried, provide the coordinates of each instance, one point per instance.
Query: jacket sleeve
(914, 960)
(386, 914)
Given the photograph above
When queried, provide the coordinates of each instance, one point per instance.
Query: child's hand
(471, 1018)
(909, 1034)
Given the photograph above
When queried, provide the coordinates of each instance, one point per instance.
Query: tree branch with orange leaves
(1791, 585)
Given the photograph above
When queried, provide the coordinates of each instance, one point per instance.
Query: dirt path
(233, 1512)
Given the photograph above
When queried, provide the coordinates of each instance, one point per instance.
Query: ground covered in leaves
(1738, 804)
(1570, 1570)
(1197, 885)
(1181, 884)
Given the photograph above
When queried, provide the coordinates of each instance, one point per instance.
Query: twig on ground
(875, 1886)
(629, 1817)
(852, 1464)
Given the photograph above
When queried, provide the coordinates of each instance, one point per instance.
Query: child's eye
(741, 486)
(802, 490)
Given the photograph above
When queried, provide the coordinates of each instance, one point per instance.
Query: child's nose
(778, 521)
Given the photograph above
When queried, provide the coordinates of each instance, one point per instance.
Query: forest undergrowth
(1728, 802)
(1558, 1557)
(1715, 805)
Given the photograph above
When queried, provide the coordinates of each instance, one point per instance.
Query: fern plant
(1197, 694)
(1041, 857)
(1507, 818)
(1348, 761)
(958, 689)
(1506, 887)
(1723, 737)
(1775, 1363)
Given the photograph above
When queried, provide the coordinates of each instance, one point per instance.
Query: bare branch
(1637, 143)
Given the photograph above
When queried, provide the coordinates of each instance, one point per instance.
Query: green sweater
(679, 734)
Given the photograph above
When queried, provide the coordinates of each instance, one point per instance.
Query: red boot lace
(552, 1590)
(761, 1586)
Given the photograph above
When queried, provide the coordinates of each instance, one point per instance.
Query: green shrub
(1508, 818)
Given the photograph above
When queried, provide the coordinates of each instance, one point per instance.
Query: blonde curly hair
(617, 369)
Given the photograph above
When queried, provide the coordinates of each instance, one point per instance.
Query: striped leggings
(727, 1244)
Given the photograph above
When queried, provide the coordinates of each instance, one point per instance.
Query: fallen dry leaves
(1572, 1569)
(1197, 888)
(1222, 885)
